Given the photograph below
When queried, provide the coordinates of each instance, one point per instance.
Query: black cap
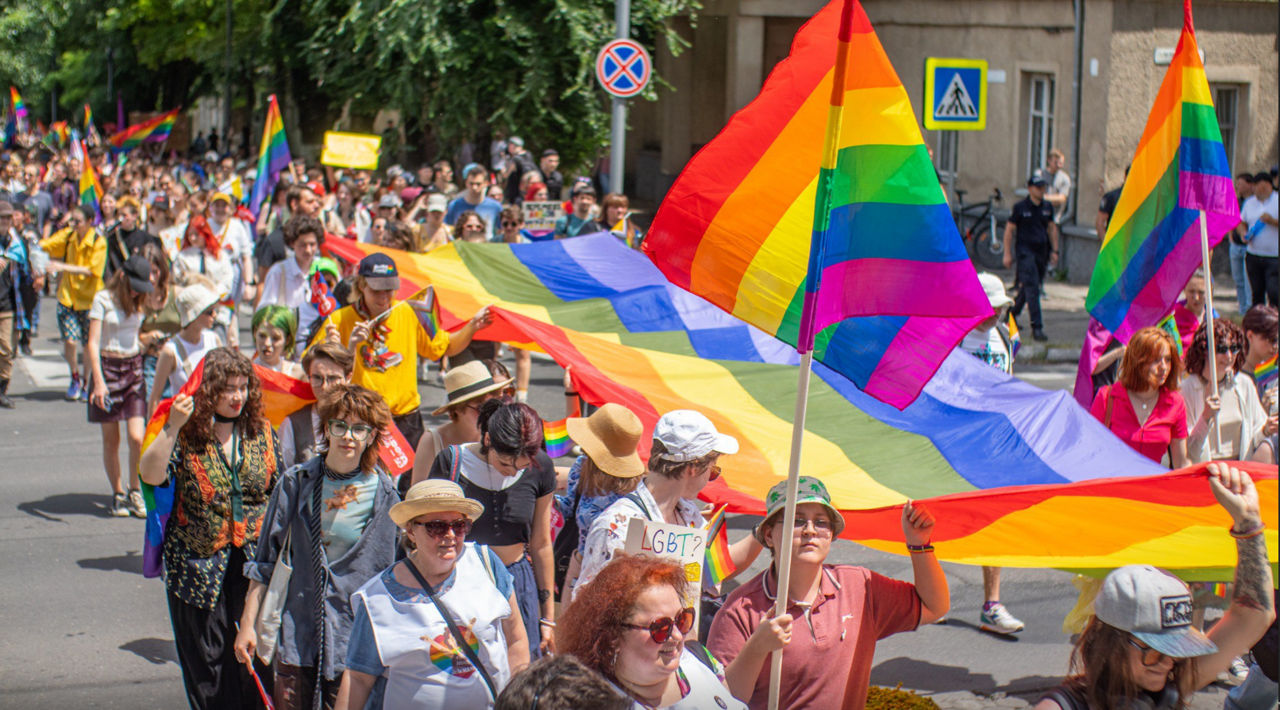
(1262, 177)
(1037, 180)
(379, 271)
(583, 188)
(138, 269)
(550, 151)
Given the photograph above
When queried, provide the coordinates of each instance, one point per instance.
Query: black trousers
(1031, 266)
(214, 679)
(410, 425)
(1264, 278)
(296, 686)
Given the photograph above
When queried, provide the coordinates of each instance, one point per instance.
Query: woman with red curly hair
(221, 456)
(629, 624)
(1144, 408)
(1236, 413)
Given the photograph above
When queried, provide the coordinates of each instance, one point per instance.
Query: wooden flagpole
(1211, 349)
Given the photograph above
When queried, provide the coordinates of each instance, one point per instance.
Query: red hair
(200, 227)
(1144, 348)
(592, 627)
(532, 193)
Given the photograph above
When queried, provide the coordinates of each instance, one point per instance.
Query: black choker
(224, 420)
(335, 476)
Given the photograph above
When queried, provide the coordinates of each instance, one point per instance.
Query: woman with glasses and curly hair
(1144, 408)
(631, 624)
(220, 454)
(328, 518)
(1233, 424)
(1140, 649)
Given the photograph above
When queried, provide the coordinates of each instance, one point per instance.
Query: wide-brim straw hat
(466, 382)
(609, 437)
(434, 495)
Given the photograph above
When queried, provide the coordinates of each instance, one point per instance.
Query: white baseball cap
(994, 288)
(1155, 607)
(689, 435)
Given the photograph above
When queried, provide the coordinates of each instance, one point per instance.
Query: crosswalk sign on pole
(955, 94)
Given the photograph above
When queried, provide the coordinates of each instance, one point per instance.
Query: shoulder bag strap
(455, 465)
(1106, 420)
(488, 563)
(635, 498)
(453, 629)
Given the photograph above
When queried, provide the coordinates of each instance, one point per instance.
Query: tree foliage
(457, 70)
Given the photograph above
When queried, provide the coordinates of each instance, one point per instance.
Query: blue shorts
(73, 325)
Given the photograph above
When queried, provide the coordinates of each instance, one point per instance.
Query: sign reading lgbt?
(684, 545)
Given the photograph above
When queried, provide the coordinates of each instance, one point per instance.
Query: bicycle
(978, 226)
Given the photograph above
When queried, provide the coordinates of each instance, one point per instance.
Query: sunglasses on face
(1227, 349)
(715, 472)
(510, 224)
(339, 429)
(660, 629)
(1150, 656)
(438, 528)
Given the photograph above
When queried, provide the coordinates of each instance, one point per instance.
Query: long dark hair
(510, 429)
(220, 365)
(1100, 669)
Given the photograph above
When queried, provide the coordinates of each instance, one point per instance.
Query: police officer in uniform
(1035, 251)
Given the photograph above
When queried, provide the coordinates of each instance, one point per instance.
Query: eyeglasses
(660, 629)
(1150, 656)
(819, 524)
(339, 429)
(319, 381)
(438, 528)
(511, 224)
(474, 227)
(1227, 349)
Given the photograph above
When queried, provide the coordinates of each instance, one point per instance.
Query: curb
(1048, 354)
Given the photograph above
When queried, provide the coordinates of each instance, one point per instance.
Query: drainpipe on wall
(1077, 92)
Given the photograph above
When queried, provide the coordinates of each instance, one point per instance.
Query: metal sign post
(623, 68)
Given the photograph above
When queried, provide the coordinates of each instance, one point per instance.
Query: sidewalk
(1065, 319)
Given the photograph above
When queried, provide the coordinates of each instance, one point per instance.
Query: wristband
(1249, 533)
(567, 393)
(547, 622)
(913, 549)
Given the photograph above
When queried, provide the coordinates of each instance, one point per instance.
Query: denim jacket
(372, 553)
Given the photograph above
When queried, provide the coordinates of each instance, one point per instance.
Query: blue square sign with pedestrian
(955, 94)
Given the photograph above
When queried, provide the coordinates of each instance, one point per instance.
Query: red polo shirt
(832, 646)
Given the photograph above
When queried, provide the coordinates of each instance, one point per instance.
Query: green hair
(281, 317)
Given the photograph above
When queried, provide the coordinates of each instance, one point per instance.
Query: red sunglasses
(660, 629)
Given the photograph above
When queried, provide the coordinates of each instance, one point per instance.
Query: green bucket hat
(808, 490)
(327, 265)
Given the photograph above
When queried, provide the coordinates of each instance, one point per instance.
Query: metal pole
(1077, 93)
(1211, 350)
(618, 125)
(782, 556)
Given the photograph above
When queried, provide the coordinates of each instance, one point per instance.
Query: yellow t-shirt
(76, 291)
(387, 362)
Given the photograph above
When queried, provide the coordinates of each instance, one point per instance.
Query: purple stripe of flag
(875, 287)
(913, 356)
(1213, 193)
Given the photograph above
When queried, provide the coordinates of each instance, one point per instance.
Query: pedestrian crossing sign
(955, 94)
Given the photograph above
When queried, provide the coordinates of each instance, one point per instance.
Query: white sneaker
(119, 506)
(137, 506)
(998, 620)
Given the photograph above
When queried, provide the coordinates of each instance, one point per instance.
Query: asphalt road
(83, 628)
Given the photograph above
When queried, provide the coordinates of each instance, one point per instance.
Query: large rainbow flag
(1180, 169)
(865, 216)
(19, 108)
(154, 130)
(1009, 469)
(273, 157)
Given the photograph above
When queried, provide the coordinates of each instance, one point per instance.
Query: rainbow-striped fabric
(889, 286)
(1266, 373)
(273, 156)
(19, 108)
(1005, 464)
(1180, 169)
(154, 130)
(717, 562)
(556, 435)
(90, 188)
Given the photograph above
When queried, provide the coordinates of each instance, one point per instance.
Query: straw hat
(466, 382)
(434, 495)
(610, 437)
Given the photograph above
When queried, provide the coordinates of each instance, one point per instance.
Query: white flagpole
(1211, 350)
(783, 554)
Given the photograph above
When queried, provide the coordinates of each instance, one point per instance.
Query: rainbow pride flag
(90, 188)
(556, 435)
(1266, 374)
(155, 130)
(634, 338)
(770, 224)
(273, 157)
(1180, 168)
(19, 108)
(59, 129)
(718, 564)
(90, 130)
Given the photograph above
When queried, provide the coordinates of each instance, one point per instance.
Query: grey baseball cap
(1155, 607)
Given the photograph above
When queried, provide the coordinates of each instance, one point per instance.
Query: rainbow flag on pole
(90, 188)
(556, 434)
(1179, 170)
(273, 157)
(155, 130)
(768, 222)
(19, 108)
(1266, 373)
(719, 565)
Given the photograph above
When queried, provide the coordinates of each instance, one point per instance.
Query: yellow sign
(351, 150)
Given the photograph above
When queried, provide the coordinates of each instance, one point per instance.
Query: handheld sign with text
(394, 452)
(684, 545)
(351, 150)
(541, 216)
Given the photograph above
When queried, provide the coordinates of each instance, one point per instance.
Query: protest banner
(541, 216)
(351, 150)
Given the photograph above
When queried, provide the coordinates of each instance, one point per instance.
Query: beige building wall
(736, 42)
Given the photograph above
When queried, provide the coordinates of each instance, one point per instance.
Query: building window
(1226, 101)
(1039, 107)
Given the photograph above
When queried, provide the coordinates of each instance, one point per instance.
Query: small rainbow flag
(787, 232)
(273, 157)
(719, 565)
(90, 188)
(428, 317)
(19, 108)
(1265, 374)
(59, 128)
(1179, 171)
(155, 130)
(90, 130)
(1015, 338)
(1170, 325)
(556, 435)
